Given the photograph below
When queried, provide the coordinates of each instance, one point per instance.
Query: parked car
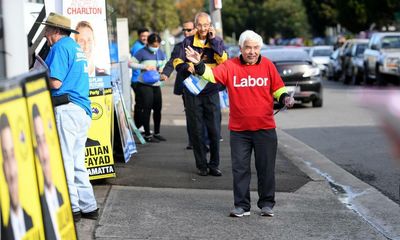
(334, 70)
(382, 58)
(320, 55)
(299, 73)
(232, 50)
(354, 56)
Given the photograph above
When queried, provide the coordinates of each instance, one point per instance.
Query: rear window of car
(286, 55)
(360, 48)
(322, 52)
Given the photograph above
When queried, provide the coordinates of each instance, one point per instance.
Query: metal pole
(215, 13)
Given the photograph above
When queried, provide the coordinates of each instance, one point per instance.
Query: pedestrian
(203, 109)
(252, 82)
(150, 60)
(143, 34)
(69, 83)
(187, 30)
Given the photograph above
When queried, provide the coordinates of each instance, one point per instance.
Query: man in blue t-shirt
(69, 83)
(143, 33)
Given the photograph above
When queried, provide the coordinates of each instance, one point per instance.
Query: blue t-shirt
(67, 63)
(135, 48)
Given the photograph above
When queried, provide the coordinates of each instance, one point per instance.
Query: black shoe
(94, 215)
(159, 137)
(77, 216)
(189, 147)
(202, 172)
(215, 172)
(151, 139)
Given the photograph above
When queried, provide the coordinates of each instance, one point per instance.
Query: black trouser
(200, 111)
(136, 110)
(148, 98)
(187, 125)
(264, 143)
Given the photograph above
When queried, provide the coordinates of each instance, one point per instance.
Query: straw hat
(59, 21)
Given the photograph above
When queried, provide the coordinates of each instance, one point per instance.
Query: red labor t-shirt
(250, 89)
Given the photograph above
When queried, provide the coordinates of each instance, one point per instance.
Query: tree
(321, 14)
(156, 15)
(284, 17)
(358, 15)
(268, 18)
(187, 9)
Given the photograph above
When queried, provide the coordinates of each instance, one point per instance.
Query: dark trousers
(148, 98)
(203, 111)
(264, 143)
(187, 125)
(136, 110)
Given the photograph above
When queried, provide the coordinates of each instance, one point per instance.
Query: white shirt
(18, 223)
(53, 205)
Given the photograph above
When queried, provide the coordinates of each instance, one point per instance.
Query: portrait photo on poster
(88, 41)
(19, 222)
(51, 198)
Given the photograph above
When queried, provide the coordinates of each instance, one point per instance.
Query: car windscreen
(391, 42)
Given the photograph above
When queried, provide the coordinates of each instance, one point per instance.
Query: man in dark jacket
(203, 109)
(187, 30)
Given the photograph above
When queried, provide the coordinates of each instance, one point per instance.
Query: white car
(320, 56)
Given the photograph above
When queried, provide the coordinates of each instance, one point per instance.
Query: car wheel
(317, 102)
(380, 79)
(367, 79)
(355, 77)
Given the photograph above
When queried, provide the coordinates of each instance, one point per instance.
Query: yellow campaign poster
(19, 197)
(53, 188)
(99, 154)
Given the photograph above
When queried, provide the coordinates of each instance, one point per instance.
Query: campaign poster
(99, 153)
(53, 189)
(19, 195)
(127, 140)
(89, 18)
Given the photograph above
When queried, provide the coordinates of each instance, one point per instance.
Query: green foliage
(269, 18)
(321, 13)
(156, 15)
(354, 15)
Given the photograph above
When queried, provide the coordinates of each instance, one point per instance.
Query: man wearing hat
(69, 83)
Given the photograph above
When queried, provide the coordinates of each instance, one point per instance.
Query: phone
(211, 34)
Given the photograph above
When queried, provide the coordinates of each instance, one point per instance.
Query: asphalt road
(347, 134)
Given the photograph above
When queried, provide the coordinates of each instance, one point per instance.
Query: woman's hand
(149, 68)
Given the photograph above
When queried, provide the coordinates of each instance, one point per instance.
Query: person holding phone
(203, 109)
(188, 30)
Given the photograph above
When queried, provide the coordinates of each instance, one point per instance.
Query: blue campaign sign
(195, 84)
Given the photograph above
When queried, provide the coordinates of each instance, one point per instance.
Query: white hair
(201, 14)
(250, 35)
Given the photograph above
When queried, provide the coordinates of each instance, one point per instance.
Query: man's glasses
(187, 29)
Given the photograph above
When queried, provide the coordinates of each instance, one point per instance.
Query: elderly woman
(151, 61)
(252, 82)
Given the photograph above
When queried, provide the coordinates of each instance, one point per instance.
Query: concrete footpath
(158, 195)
